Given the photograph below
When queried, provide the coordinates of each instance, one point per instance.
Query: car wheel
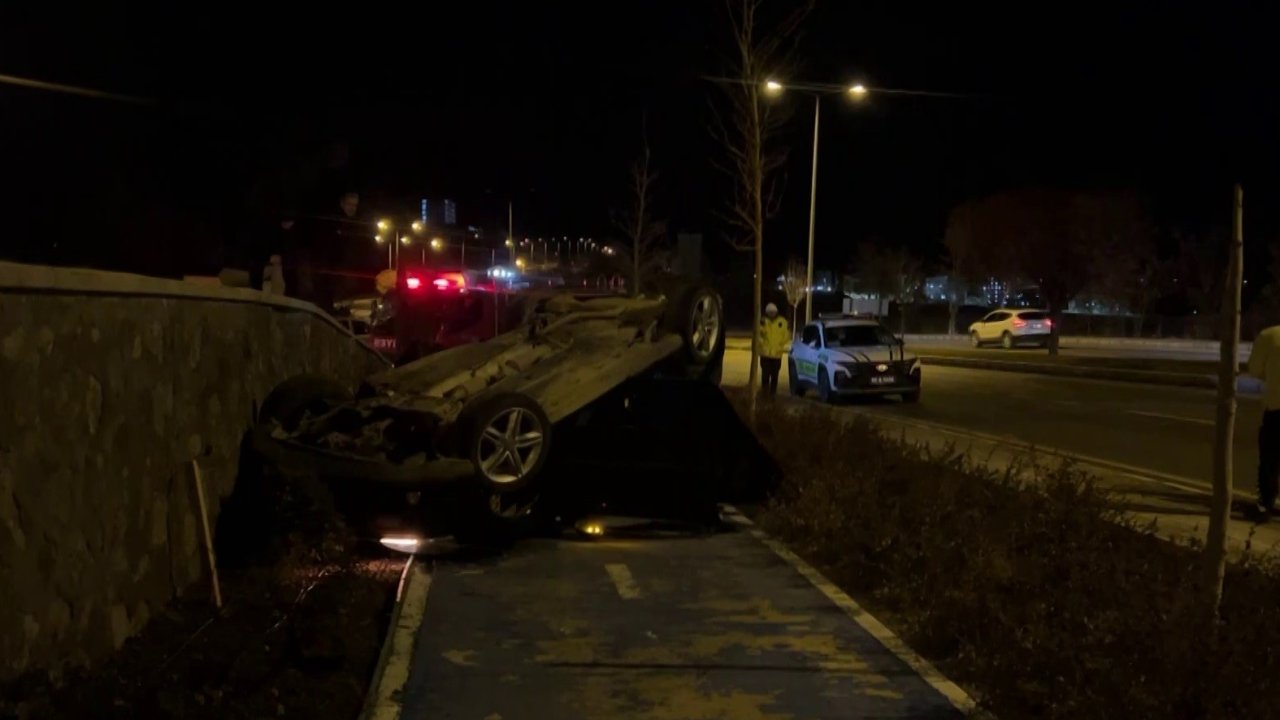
(698, 315)
(824, 385)
(1006, 340)
(507, 439)
(292, 400)
(496, 519)
(974, 340)
(793, 379)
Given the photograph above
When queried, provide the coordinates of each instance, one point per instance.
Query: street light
(384, 225)
(856, 91)
(417, 226)
(520, 263)
(437, 244)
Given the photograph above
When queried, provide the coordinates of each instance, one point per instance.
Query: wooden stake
(1215, 548)
(208, 536)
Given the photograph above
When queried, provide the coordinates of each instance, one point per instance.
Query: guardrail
(1085, 341)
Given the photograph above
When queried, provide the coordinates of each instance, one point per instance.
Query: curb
(1149, 377)
(384, 698)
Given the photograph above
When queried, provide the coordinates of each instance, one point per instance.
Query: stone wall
(110, 385)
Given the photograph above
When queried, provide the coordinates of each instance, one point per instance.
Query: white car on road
(852, 356)
(1012, 327)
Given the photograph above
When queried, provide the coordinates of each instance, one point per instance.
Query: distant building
(425, 217)
(935, 288)
(450, 212)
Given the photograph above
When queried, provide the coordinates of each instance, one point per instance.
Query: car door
(805, 352)
(992, 325)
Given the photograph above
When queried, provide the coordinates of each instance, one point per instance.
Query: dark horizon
(497, 99)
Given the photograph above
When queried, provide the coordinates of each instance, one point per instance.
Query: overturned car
(583, 397)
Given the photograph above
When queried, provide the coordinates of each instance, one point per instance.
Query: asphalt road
(663, 628)
(1158, 428)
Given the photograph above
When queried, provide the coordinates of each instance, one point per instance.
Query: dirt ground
(305, 611)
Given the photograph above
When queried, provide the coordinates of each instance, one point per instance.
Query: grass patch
(1038, 596)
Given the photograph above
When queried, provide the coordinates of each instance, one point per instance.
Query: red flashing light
(412, 282)
(441, 283)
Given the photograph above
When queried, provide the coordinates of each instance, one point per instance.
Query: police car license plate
(882, 380)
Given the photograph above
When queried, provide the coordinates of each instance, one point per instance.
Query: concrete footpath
(722, 626)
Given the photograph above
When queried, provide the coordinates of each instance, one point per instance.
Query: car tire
(489, 519)
(793, 379)
(1006, 340)
(697, 314)
(824, 385)
(290, 401)
(974, 340)
(507, 438)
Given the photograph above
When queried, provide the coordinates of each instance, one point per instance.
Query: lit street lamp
(857, 92)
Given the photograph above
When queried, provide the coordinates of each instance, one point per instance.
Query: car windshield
(857, 335)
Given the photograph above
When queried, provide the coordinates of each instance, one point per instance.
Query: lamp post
(856, 91)
(387, 230)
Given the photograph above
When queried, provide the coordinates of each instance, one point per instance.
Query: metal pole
(464, 253)
(813, 206)
(511, 232)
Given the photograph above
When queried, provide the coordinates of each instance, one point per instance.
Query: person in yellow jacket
(774, 337)
(1264, 364)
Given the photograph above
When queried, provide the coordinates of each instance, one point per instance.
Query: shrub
(1038, 595)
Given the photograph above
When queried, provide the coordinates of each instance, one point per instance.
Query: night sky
(259, 115)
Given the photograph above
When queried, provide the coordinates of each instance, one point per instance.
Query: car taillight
(412, 282)
(1048, 322)
(1019, 323)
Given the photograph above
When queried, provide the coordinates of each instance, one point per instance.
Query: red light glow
(413, 283)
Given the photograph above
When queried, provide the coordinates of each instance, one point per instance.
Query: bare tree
(891, 273)
(960, 241)
(1215, 546)
(747, 131)
(1127, 273)
(637, 223)
(1047, 237)
(794, 282)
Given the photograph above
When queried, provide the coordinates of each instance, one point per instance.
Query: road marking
(865, 620)
(384, 701)
(1154, 476)
(622, 580)
(1198, 421)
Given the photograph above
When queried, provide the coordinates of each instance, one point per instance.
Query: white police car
(845, 355)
